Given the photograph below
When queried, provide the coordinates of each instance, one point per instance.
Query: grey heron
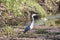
(30, 26)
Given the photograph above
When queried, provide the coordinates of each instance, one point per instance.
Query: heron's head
(33, 15)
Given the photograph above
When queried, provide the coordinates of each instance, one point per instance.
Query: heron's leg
(27, 32)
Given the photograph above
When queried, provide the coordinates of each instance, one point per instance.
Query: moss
(27, 36)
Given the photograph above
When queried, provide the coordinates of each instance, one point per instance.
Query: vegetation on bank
(18, 12)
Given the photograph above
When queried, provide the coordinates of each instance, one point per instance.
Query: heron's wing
(27, 28)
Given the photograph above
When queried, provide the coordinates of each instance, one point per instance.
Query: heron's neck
(32, 19)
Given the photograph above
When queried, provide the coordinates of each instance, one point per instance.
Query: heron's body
(30, 26)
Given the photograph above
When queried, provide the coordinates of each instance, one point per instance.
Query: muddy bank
(35, 34)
